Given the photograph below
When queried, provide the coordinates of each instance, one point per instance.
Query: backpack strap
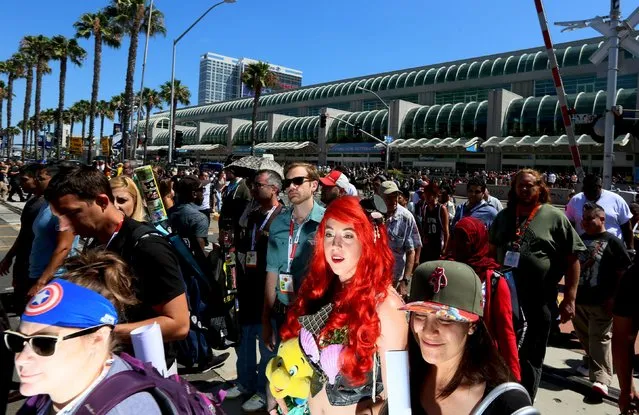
(110, 392)
(34, 405)
(496, 393)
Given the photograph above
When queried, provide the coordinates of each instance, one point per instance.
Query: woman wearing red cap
(454, 367)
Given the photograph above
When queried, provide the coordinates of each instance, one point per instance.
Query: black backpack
(195, 347)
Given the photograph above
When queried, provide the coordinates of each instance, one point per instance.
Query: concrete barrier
(557, 196)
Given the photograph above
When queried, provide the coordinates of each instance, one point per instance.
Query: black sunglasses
(297, 181)
(42, 344)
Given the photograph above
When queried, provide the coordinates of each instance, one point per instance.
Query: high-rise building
(220, 78)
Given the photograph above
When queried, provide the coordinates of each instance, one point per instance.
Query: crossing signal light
(383, 154)
(179, 139)
(323, 120)
(358, 130)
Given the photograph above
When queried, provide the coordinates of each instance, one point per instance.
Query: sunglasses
(44, 345)
(297, 181)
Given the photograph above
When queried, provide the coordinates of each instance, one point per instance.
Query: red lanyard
(292, 244)
(115, 233)
(521, 230)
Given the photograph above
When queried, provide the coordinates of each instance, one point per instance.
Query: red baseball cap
(334, 178)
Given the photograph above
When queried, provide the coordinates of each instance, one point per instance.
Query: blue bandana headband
(64, 304)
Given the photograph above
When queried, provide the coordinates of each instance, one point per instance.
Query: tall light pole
(175, 41)
(387, 161)
(146, 51)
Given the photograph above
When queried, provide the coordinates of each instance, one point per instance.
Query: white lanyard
(292, 244)
(268, 216)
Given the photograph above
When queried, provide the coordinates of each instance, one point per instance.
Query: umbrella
(255, 163)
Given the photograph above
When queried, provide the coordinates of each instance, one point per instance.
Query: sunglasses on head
(42, 344)
(297, 181)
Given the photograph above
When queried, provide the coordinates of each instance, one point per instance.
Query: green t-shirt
(548, 240)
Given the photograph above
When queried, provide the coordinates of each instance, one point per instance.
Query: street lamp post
(387, 161)
(175, 41)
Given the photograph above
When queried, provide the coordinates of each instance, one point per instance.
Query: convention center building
(492, 112)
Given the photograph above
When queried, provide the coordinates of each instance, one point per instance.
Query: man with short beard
(536, 240)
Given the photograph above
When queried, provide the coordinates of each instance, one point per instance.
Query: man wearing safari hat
(403, 235)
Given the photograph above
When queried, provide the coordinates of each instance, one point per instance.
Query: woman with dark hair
(470, 246)
(346, 313)
(434, 227)
(454, 367)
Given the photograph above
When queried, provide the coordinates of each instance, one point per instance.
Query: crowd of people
(376, 263)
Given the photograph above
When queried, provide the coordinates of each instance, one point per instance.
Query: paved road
(561, 392)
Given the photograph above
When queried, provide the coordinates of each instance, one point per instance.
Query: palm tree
(81, 110)
(10, 132)
(14, 68)
(71, 115)
(181, 95)
(132, 17)
(104, 111)
(3, 96)
(256, 77)
(151, 100)
(117, 105)
(65, 50)
(29, 63)
(101, 27)
(40, 48)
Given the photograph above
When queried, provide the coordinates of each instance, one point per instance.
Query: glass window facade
(466, 95)
(587, 83)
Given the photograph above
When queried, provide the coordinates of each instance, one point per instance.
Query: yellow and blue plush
(289, 373)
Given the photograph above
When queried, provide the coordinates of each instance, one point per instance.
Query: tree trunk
(62, 85)
(25, 113)
(38, 92)
(71, 121)
(84, 124)
(130, 72)
(101, 126)
(97, 60)
(256, 102)
(1, 108)
(9, 109)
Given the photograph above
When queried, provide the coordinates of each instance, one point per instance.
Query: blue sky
(328, 40)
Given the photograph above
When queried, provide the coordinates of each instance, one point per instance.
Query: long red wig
(355, 304)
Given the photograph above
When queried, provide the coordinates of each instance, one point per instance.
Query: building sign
(76, 145)
(106, 145)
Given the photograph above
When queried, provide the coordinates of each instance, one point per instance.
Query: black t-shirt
(252, 280)
(156, 269)
(604, 258)
(25, 236)
(626, 298)
(505, 404)
(14, 175)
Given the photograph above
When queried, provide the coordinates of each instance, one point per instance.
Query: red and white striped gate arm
(561, 92)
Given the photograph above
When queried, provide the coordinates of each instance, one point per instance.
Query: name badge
(251, 259)
(286, 284)
(511, 259)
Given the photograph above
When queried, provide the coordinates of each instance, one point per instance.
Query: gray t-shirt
(139, 403)
(188, 222)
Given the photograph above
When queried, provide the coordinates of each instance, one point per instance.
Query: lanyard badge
(512, 256)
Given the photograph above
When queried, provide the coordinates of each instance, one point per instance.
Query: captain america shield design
(45, 300)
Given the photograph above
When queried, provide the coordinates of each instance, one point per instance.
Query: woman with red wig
(346, 313)
(470, 246)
